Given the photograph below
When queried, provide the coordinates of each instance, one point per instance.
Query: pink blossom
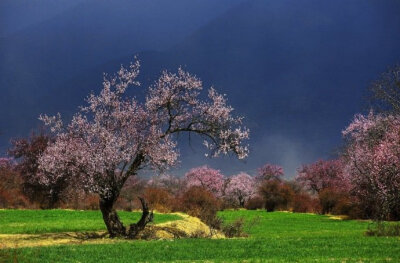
(373, 161)
(211, 179)
(269, 172)
(241, 187)
(322, 175)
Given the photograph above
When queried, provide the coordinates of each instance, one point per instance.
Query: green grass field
(50, 221)
(277, 237)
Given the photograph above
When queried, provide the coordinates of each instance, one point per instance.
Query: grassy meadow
(273, 237)
(58, 220)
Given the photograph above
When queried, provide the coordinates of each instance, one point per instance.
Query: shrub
(228, 202)
(11, 195)
(384, 229)
(234, 229)
(344, 205)
(254, 203)
(303, 203)
(276, 195)
(334, 201)
(198, 202)
(158, 199)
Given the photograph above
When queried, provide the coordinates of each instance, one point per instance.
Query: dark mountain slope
(297, 70)
(37, 61)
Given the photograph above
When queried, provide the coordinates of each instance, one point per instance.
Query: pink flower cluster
(374, 158)
(322, 175)
(269, 172)
(241, 187)
(204, 176)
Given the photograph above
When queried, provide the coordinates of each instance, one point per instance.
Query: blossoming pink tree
(241, 187)
(322, 175)
(373, 156)
(113, 137)
(269, 172)
(210, 179)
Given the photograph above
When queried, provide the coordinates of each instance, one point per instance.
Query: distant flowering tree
(114, 137)
(210, 179)
(241, 187)
(27, 151)
(269, 172)
(270, 186)
(323, 175)
(373, 163)
(329, 180)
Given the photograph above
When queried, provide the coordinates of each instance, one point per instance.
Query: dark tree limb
(146, 218)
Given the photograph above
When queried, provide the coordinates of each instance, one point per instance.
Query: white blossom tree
(113, 137)
(241, 187)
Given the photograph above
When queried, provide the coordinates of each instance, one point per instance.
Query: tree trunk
(113, 223)
(111, 219)
(146, 218)
(241, 201)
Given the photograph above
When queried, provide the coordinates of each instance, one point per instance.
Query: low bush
(254, 203)
(276, 195)
(199, 202)
(158, 199)
(11, 195)
(334, 201)
(234, 229)
(384, 229)
(229, 203)
(304, 203)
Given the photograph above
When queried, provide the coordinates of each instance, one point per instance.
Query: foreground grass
(57, 220)
(277, 237)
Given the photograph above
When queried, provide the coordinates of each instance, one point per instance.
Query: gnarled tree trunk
(146, 218)
(114, 225)
(111, 219)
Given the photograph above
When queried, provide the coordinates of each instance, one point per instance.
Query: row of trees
(367, 172)
(114, 136)
(267, 189)
(362, 183)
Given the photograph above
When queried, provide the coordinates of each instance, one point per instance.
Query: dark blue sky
(296, 69)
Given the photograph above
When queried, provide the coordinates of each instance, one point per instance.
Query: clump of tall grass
(384, 229)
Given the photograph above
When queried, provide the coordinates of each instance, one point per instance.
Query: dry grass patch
(51, 239)
(187, 227)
